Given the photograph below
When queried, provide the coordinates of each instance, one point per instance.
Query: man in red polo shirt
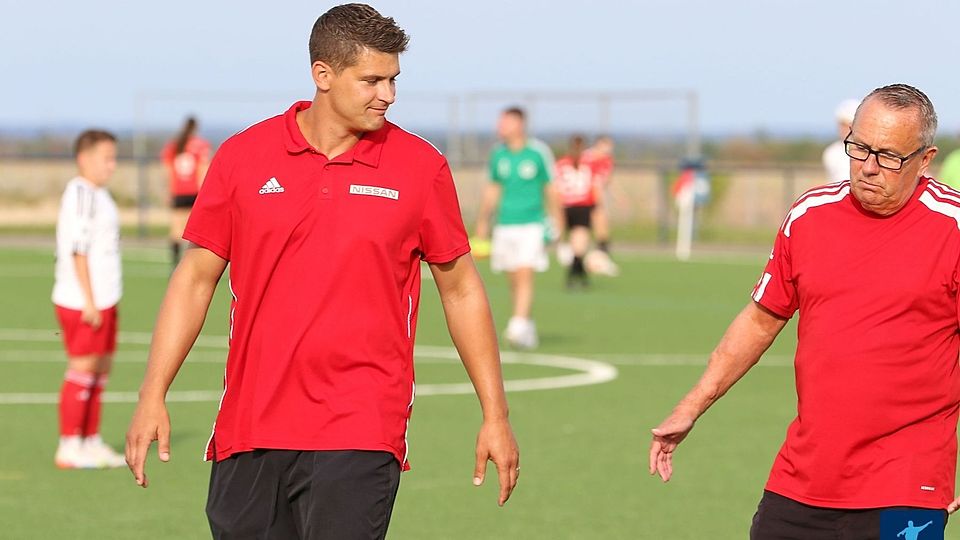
(324, 214)
(873, 266)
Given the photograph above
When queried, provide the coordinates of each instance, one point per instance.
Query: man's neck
(325, 136)
(86, 179)
(516, 144)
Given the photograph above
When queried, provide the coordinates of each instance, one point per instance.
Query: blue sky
(774, 65)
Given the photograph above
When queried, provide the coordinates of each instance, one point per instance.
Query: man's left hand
(954, 506)
(496, 443)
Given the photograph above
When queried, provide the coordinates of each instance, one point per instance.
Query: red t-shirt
(185, 179)
(325, 277)
(577, 184)
(602, 165)
(878, 385)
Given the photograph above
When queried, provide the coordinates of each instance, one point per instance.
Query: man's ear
(322, 75)
(927, 158)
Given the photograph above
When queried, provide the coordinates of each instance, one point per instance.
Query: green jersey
(523, 175)
(950, 172)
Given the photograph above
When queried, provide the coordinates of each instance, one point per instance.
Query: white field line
(46, 271)
(133, 338)
(681, 359)
(586, 372)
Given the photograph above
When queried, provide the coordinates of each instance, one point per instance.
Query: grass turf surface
(583, 449)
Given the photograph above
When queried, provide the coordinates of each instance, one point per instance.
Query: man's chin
(372, 124)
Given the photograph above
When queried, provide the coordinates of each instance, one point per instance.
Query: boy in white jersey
(521, 193)
(86, 292)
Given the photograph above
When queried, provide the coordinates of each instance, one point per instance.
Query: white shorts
(518, 246)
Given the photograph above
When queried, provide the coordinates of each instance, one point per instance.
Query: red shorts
(80, 339)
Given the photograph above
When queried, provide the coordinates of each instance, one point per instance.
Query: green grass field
(583, 449)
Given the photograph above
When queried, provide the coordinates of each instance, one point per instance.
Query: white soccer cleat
(564, 254)
(521, 334)
(72, 455)
(101, 454)
(530, 338)
(598, 262)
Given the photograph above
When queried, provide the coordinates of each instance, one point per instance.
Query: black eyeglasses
(886, 160)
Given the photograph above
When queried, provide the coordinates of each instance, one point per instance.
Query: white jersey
(836, 162)
(88, 224)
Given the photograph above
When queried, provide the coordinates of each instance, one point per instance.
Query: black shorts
(780, 518)
(183, 201)
(317, 495)
(578, 216)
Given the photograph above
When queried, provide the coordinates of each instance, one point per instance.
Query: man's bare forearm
(470, 323)
(181, 317)
(742, 345)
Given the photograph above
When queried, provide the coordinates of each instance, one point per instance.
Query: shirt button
(325, 190)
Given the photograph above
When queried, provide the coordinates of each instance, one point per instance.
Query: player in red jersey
(185, 158)
(871, 264)
(324, 214)
(579, 183)
(600, 157)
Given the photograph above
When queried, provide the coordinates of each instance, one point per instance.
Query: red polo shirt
(325, 276)
(878, 385)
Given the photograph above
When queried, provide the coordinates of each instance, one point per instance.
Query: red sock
(91, 425)
(74, 396)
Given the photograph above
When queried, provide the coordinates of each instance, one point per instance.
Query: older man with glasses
(873, 267)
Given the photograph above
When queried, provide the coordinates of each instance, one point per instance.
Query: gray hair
(904, 96)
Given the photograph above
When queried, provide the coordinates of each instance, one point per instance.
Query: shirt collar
(367, 150)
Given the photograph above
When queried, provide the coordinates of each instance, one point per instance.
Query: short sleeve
(956, 288)
(202, 149)
(83, 201)
(548, 165)
(166, 155)
(443, 237)
(776, 290)
(211, 220)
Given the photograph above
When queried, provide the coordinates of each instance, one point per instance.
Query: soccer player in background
(185, 159)
(600, 157)
(86, 291)
(324, 214)
(836, 163)
(871, 264)
(521, 194)
(579, 184)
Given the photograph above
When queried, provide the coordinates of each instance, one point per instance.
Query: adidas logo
(272, 186)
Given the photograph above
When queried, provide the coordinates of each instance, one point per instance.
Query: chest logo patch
(375, 191)
(272, 186)
(527, 169)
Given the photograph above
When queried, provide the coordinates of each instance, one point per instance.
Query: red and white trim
(816, 197)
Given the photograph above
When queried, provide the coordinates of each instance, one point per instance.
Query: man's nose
(871, 165)
(387, 92)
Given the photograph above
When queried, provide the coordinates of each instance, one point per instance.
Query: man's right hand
(91, 315)
(666, 437)
(151, 422)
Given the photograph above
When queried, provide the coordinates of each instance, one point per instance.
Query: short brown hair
(339, 35)
(90, 138)
(516, 111)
